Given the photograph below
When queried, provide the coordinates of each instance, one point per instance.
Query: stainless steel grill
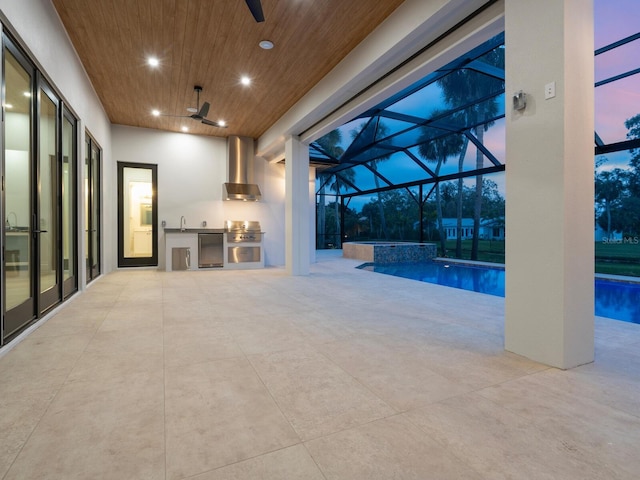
(244, 240)
(243, 231)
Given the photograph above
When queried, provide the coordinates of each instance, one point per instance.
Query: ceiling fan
(256, 10)
(200, 113)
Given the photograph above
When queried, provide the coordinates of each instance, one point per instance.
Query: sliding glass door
(92, 208)
(69, 204)
(18, 201)
(46, 229)
(39, 197)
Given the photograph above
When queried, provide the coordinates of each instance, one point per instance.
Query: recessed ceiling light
(155, 113)
(222, 123)
(27, 94)
(266, 44)
(153, 61)
(185, 129)
(244, 80)
(8, 105)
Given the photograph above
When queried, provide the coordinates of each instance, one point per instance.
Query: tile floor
(344, 374)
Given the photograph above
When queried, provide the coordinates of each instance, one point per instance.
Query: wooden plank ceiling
(212, 43)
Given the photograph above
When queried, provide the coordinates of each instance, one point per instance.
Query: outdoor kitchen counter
(241, 249)
(195, 230)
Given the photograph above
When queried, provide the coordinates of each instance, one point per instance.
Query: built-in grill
(243, 231)
(244, 240)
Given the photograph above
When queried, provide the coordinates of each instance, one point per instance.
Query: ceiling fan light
(266, 44)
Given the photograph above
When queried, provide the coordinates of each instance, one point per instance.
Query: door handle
(40, 231)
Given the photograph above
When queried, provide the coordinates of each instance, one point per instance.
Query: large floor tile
(501, 444)
(399, 375)
(265, 334)
(317, 396)
(218, 413)
(94, 429)
(597, 433)
(198, 342)
(293, 463)
(386, 449)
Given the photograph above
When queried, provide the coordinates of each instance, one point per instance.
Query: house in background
(490, 229)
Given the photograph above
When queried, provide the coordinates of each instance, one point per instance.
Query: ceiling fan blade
(175, 116)
(256, 10)
(212, 123)
(202, 113)
(204, 110)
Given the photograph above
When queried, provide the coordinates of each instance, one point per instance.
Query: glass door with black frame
(137, 215)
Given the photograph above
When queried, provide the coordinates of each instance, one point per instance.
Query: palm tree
(609, 187)
(349, 175)
(461, 87)
(381, 131)
(330, 144)
(438, 151)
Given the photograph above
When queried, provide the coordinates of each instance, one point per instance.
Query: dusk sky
(614, 102)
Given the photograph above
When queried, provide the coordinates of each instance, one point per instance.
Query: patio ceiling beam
(486, 69)
(618, 77)
(482, 148)
(378, 174)
(599, 142)
(443, 178)
(402, 117)
(619, 43)
(347, 181)
(420, 163)
(618, 146)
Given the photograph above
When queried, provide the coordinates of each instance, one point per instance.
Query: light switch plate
(549, 90)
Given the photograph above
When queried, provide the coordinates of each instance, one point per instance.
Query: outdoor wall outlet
(204, 223)
(549, 90)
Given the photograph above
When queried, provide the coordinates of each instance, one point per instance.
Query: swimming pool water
(618, 300)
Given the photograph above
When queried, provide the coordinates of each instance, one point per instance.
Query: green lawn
(618, 258)
(488, 250)
(613, 259)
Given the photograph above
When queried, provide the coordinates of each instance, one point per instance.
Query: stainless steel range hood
(240, 164)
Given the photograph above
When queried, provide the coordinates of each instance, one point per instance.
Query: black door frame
(94, 196)
(50, 298)
(144, 261)
(22, 315)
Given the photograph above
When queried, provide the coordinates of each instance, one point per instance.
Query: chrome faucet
(183, 223)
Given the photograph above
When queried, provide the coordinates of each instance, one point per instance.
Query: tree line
(617, 191)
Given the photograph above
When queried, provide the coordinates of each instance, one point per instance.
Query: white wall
(191, 171)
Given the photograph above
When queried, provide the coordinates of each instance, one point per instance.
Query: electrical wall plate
(519, 100)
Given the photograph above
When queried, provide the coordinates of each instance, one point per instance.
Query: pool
(618, 300)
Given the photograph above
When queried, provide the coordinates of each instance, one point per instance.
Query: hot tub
(389, 252)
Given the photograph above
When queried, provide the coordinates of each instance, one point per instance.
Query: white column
(549, 305)
(297, 217)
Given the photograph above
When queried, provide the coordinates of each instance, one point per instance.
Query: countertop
(194, 230)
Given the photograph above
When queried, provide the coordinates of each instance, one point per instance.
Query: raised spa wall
(389, 252)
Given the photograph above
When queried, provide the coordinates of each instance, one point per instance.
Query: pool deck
(151, 374)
